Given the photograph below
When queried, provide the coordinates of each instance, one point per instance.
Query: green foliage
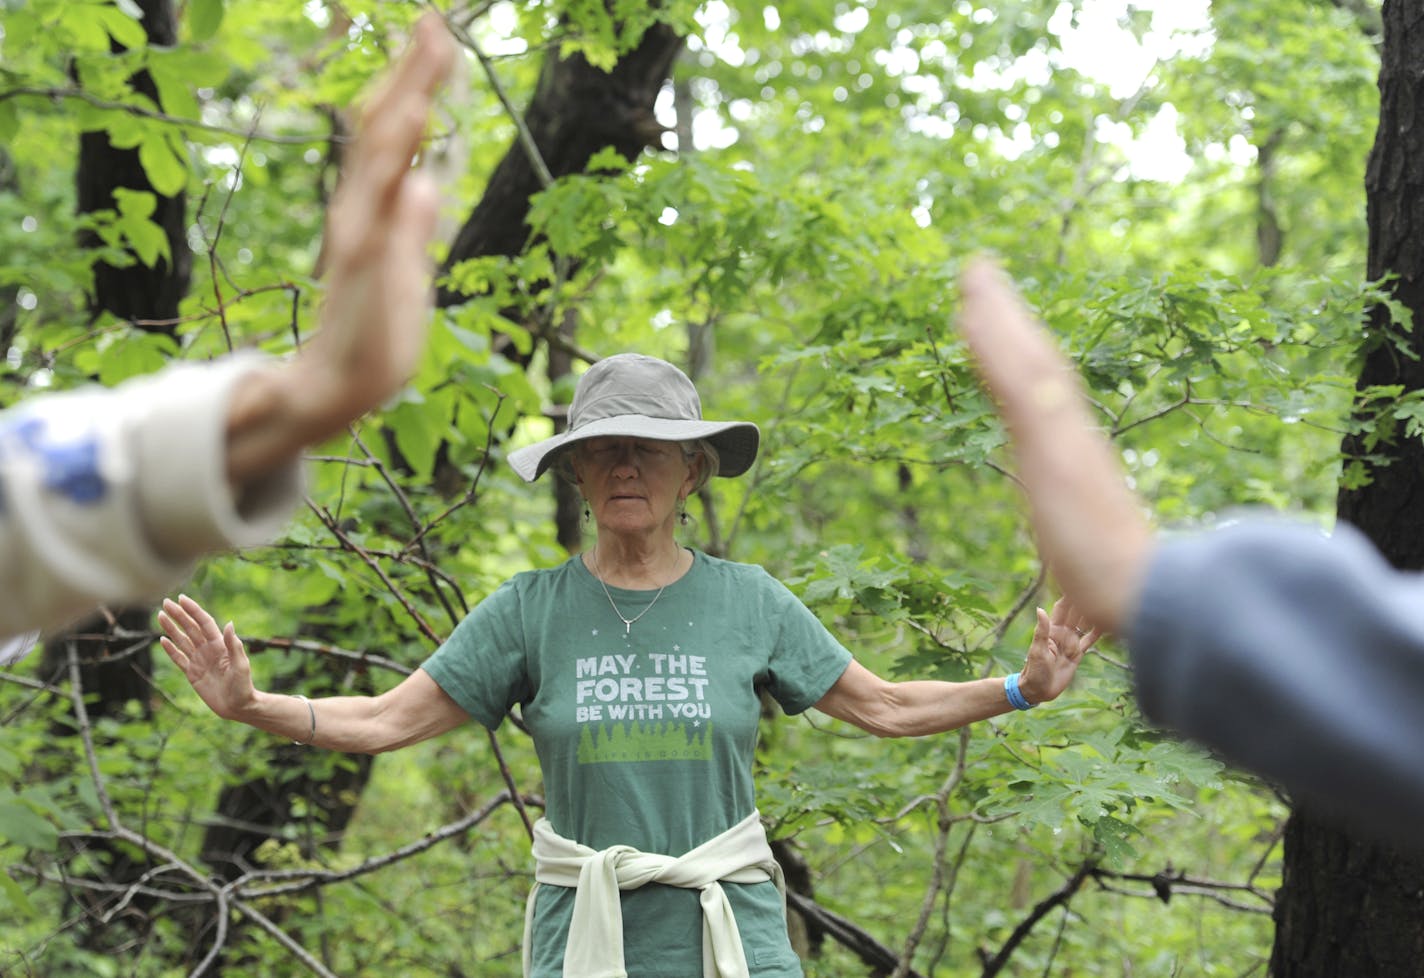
(845, 162)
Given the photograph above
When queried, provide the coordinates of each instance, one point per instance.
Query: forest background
(777, 197)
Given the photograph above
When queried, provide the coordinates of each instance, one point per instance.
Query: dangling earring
(682, 517)
(586, 514)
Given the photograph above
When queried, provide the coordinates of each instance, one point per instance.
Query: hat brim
(736, 441)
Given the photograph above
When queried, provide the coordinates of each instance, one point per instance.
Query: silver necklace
(627, 622)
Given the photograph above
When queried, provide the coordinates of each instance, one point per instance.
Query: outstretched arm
(924, 706)
(109, 495)
(215, 662)
(1091, 528)
(1294, 655)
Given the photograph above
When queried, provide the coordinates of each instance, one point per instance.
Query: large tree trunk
(115, 666)
(137, 292)
(1349, 906)
(576, 111)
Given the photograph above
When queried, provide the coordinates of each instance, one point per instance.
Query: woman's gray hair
(563, 464)
(711, 460)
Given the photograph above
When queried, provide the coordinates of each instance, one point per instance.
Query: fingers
(230, 639)
(1065, 631)
(425, 65)
(1067, 615)
(1044, 627)
(180, 659)
(174, 623)
(394, 118)
(191, 622)
(192, 638)
(1019, 363)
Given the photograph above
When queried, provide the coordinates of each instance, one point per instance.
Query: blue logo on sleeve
(69, 466)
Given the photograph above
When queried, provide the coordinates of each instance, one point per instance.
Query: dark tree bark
(1269, 236)
(137, 292)
(1349, 906)
(115, 666)
(9, 319)
(576, 111)
(568, 502)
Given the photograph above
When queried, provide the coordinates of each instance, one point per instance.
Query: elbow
(881, 724)
(880, 715)
(385, 731)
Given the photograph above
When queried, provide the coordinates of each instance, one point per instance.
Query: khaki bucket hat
(634, 396)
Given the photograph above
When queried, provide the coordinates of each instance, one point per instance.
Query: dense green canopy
(1184, 205)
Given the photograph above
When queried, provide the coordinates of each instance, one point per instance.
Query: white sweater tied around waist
(595, 949)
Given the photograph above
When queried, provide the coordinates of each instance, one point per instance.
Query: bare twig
(939, 876)
(847, 934)
(526, 138)
(306, 879)
(1059, 898)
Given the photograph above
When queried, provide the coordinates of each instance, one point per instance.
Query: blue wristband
(1016, 698)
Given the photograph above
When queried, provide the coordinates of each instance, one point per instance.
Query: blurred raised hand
(1091, 528)
(378, 270)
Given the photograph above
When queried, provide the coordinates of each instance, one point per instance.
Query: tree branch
(880, 958)
(1044, 907)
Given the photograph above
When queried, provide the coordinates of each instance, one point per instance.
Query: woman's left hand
(1059, 642)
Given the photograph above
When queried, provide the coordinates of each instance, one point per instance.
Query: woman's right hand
(213, 659)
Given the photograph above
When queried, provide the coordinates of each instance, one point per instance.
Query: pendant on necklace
(627, 622)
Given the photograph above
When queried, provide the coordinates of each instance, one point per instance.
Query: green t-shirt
(645, 738)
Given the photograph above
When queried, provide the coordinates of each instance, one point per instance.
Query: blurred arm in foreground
(110, 495)
(1296, 655)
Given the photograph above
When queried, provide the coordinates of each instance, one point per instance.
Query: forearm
(350, 724)
(416, 710)
(276, 413)
(925, 706)
(346, 723)
(916, 708)
(1091, 528)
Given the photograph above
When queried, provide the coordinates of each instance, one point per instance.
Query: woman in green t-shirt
(637, 667)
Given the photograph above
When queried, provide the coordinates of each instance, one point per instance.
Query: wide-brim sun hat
(634, 396)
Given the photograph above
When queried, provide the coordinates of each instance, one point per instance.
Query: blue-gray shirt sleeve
(1296, 655)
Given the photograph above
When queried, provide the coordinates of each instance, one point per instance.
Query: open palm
(213, 659)
(1060, 640)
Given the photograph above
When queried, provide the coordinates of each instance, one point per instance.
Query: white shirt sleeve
(111, 495)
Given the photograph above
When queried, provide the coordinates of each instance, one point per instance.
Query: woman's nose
(626, 459)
